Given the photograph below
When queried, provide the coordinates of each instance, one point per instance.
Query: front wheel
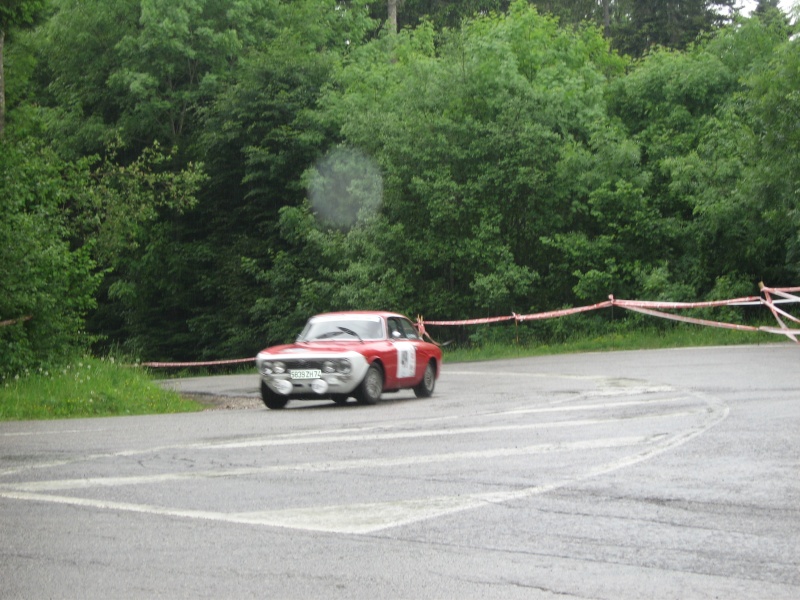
(425, 387)
(369, 392)
(271, 399)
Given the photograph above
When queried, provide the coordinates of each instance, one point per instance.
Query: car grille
(303, 364)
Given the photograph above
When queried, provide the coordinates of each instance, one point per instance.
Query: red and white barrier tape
(553, 314)
(748, 301)
(649, 308)
(784, 330)
(645, 307)
(208, 363)
(472, 321)
(663, 315)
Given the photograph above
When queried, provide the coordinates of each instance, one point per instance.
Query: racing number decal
(406, 359)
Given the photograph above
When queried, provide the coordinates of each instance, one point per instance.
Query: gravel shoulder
(216, 402)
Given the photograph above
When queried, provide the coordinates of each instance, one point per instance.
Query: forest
(192, 179)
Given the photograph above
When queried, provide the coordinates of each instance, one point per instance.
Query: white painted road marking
(377, 433)
(325, 466)
(363, 518)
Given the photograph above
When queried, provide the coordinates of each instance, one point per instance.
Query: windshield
(342, 328)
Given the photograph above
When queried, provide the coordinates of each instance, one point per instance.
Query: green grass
(679, 336)
(89, 387)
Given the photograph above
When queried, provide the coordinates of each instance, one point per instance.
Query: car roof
(370, 314)
(355, 313)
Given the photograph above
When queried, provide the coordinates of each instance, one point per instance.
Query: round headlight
(266, 368)
(344, 366)
(278, 367)
(329, 366)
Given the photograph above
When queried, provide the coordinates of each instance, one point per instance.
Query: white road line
(360, 518)
(397, 435)
(587, 407)
(516, 374)
(627, 391)
(50, 432)
(351, 436)
(368, 518)
(327, 466)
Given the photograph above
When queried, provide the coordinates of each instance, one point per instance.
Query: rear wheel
(425, 387)
(272, 399)
(369, 392)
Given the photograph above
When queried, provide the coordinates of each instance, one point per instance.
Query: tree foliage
(493, 156)
(46, 286)
(669, 23)
(13, 14)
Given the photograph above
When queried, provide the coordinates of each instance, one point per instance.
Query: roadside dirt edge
(215, 402)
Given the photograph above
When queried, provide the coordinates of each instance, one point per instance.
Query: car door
(422, 348)
(404, 350)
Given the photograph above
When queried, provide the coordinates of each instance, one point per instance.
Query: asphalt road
(661, 474)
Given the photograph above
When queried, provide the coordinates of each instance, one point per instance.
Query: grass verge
(89, 387)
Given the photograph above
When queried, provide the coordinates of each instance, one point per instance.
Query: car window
(395, 328)
(401, 329)
(409, 330)
(330, 328)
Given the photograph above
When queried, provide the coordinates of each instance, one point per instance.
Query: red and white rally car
(344, 354)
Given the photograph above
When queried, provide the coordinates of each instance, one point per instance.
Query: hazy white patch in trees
(345, 187)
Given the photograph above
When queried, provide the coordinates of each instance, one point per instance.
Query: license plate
(305, 373)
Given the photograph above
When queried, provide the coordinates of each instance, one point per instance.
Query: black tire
(371, 388)
(339, 398)
(271, 399)
(425, 387)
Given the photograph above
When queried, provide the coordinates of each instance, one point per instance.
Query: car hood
(316, 348)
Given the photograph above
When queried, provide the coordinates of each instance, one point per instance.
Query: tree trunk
(606, 18)
(391, 21)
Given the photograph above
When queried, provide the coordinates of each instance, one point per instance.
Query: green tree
(46, 285)
(765, 7)
(13, 14)
(77, 54)
(190, 288)
(772, 103)
(471, 136)
(446, 13)
(65, 225)
(669, 23)
(693, 118)
(138, 69)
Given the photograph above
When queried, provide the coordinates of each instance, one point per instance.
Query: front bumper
(327, 384)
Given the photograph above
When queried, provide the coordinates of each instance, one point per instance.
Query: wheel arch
(437, 364)
(376, 360)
